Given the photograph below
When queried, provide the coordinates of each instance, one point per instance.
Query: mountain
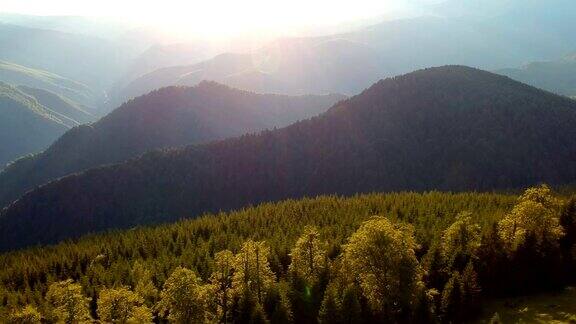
(75, 113)
(489, 35)
(292, 66)
(26, 126)
(448, 128)
(167, 117)
(558, 76)
(92, 61)
(21, 75)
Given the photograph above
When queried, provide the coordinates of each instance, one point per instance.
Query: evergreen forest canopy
(168, 117)
(447, 128)
(399, 257)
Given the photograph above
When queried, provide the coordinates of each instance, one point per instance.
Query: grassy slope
(60, 104)
(22, 75)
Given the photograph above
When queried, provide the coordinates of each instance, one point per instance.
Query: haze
(222, 17)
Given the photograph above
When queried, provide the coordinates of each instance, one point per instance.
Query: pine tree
(309, 256)
(221, 284)
(330, 310)
(252, 271)
(451, 304)
(460, 241)
(470, 291)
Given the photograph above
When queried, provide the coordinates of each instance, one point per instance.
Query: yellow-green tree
(27, 315)
(143, 284)
(381, 255)
(309, 256)
(536, 213)
(140, 314)
(68, 303)
(184, 297)
(221, 283)
(252, 271)
(461, 240)
(118, 305)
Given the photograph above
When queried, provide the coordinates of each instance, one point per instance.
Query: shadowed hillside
(26, 126)
(449, 128)
(167, 117)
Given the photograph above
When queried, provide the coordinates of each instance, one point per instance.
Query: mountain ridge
(447, 128)
(167, 117)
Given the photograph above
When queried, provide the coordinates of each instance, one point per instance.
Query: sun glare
(215, 17)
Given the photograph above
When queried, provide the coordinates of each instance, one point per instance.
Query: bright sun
(215, 17)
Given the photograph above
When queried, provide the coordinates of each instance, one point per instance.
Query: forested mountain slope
(449, 128)
(193, 242)
(167, 117)
(26, 126)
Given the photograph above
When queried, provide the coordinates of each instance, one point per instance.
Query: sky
(220, 16)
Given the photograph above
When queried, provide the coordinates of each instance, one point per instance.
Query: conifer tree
(330, 310)
(451, 304)
(143, 285)
(470, 290)
(252, 271)
(221, 284)
(309, 256)
(460, 241)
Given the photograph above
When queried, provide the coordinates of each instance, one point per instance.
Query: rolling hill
(448, 128)
(167, 117)
(26, 126)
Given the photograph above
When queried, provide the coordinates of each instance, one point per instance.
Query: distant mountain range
(491, 35)
(75, 91)
(164, 118)
(447, 128)
(558, 76)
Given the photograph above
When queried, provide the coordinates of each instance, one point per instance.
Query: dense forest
(398, 257)
(167, 117)
(447, 128)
